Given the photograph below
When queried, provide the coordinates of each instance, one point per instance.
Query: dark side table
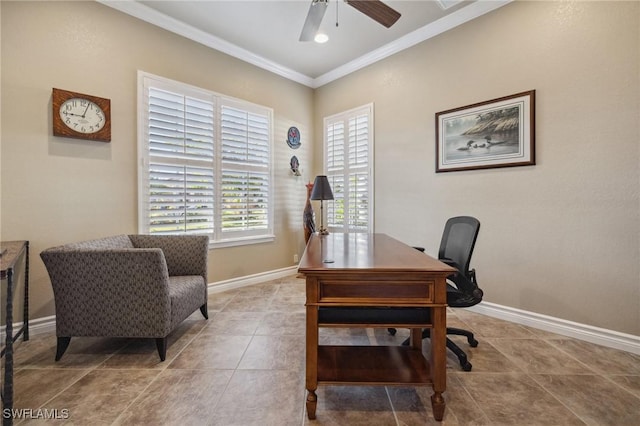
(12, 252)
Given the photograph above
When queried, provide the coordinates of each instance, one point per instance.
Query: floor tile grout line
(160, 371)
(44, 405)
(542, 386)
(393, 409)
(166, 367)
(88, 371)
(559, 347)
(609, 379)
(235, 369)
(461, 382)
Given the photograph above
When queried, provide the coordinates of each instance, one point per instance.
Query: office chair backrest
(458, 240)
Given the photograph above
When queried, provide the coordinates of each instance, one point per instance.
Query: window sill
(234, 242)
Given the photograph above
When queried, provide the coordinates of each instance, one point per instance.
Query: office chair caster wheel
(472, 342)
(392, 331)
(467, 366)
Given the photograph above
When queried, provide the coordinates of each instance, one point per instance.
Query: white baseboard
(36, 326)
(588, 333)
(248, 280)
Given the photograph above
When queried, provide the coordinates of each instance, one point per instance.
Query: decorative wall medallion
(295, 165)
(293, 138)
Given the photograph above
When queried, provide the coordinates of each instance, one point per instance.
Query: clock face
(82, 115)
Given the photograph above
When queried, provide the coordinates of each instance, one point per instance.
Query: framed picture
(495, 133)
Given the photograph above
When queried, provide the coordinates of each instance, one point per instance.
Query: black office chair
(456, 247)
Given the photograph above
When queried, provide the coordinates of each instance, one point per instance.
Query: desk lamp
(321, 191)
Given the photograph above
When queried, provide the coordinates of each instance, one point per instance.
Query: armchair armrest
(116, 292)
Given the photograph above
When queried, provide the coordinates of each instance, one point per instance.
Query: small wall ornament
(293, 137)
(295, 166)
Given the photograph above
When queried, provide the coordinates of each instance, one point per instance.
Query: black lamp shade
(321, 189)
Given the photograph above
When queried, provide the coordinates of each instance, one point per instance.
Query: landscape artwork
(495, 133)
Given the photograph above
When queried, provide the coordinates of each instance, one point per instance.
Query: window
(348, 154)
(205, 164)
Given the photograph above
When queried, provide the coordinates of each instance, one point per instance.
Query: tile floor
(245, 366)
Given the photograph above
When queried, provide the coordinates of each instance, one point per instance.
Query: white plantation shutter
(180, 199)
(180, 163)
(246, 170)
(335, 209)
(348, 165)
(205, 164)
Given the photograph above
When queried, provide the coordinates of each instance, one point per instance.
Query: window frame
(344, 117)
(217, 238)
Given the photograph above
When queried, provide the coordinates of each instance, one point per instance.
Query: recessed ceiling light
(321, 38)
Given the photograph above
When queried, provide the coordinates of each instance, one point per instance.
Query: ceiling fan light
(313, 20)
(321, 38)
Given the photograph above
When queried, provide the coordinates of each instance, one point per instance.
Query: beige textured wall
(57, 190)
(561, 238)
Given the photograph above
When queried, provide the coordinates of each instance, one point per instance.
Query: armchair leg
(161, 344)
(205, 312)
(63, 344)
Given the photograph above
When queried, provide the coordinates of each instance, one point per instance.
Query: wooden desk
(12, 252)
(374, 271)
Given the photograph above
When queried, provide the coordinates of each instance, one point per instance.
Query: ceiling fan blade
(376, 10)
(314, 18)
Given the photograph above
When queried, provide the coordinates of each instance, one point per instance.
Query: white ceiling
(266, 32)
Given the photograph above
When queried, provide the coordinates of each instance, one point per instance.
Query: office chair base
(460, 332)
(462, 356)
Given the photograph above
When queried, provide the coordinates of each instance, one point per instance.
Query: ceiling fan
(374, 9)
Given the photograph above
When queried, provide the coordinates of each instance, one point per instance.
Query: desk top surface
(361, 252)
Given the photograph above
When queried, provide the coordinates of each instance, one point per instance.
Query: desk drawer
(374, 316)
(387, 291)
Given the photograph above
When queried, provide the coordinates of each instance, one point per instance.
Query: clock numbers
(82, 115)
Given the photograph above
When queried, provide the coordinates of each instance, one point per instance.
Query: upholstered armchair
(127, 286)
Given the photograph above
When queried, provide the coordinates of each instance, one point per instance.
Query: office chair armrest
(477, 292)
(472, 277)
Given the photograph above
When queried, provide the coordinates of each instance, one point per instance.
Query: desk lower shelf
(372, 365)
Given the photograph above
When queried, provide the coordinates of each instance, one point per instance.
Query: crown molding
(147, 14)
(459, 17)
(433, 29)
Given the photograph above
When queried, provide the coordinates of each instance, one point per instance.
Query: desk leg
(25, 315)
(312, 361)
(7, 395)
(438, 360)
(415, 338)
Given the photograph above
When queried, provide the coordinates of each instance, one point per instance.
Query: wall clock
(76, 115)
(293, 138)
